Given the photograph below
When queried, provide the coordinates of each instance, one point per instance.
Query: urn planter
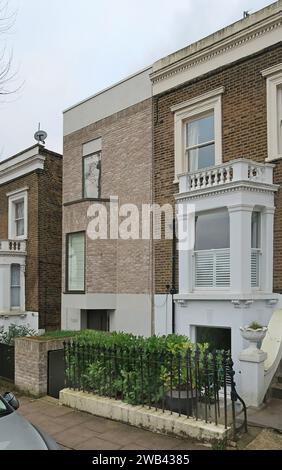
(254, 336)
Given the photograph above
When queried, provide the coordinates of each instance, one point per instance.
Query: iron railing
(197, 384)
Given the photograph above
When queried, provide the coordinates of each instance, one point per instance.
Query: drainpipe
(173, 290)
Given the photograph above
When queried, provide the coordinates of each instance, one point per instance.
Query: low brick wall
(143, 417)
(31, 363)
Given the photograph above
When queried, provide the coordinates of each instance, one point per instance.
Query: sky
(66, 50)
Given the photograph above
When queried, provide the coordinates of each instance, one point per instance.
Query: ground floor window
(15, 286)
(95, 320)
(218, 338)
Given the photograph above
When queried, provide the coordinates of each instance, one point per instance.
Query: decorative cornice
(219, 47)
(272, 70)
(227, 188)
(20, 167)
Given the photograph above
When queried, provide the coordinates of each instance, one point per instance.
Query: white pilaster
(266, 271)
(240, 248)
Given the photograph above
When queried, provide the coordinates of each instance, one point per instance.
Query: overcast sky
(66, 50)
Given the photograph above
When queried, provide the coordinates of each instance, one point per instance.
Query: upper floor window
(17, 217)
(197, 132)
(92, 169)
(75, 262)
(274, 111)
(15, 286)
(200, 141)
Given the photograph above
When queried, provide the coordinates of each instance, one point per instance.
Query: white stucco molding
(243, 38)
(12, 193)
(273, 77)
(21, 164)
(198, 99)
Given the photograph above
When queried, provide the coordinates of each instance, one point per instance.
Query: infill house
(217, 152)
(107, 282)
(30, 239)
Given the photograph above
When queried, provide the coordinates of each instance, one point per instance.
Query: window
(92, 169)
(212, 253)
(92, 175)
(197, 132)
(274, 111)
(200, 142)
(256, 229)
(17, 215)
(76, 262)
(19, 218)
(212, 230)
(15, 286)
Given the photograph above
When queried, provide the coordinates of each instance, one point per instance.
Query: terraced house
(218, 150)
(30, 239)
(107, 282)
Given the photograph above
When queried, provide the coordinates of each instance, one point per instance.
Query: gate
(7, 362)
(56, 372)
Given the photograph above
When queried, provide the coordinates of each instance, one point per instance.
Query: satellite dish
(40, 136)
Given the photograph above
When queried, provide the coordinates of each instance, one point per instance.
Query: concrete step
(279, 377)
(276, 391)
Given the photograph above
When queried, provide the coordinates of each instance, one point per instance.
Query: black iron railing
(195, 383)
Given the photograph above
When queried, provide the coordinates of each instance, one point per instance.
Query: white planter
(253, 336)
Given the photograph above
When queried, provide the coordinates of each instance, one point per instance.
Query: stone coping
(143, 417)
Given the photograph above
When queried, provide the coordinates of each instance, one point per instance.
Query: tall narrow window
(19, 218)
(15, 286)
(92, 175)
(255, 229)
(274, 111)
(200, 142)
(76, 262)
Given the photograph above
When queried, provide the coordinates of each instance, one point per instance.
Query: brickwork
(43, 260)
(31, 363)
(121, 266)
(244, 134)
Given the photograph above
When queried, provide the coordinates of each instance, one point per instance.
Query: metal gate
(56, 372)
(7, 362)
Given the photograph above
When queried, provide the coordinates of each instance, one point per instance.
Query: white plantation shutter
(255, 268)
(76, 261)
(212, 268)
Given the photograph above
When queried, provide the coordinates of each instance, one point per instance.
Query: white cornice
(198, 99)
(20, 166)
(246, 41)
(226, 188)
(272, 70)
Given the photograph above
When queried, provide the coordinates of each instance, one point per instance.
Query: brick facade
(43, 260)
(244, 134)
(112, 266)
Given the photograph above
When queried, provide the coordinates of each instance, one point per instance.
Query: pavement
(81, 431)
(268, 416)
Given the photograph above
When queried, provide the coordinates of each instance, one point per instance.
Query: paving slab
(78, 430)
(269, 416)
(266, 440)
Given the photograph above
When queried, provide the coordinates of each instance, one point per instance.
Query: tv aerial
(40, 136)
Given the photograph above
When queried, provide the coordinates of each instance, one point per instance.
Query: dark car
(16, 433)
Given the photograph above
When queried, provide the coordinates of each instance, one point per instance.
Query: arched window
(15, 286)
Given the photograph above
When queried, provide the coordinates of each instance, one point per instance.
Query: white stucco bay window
(232, 256)
(17, 215)
(274, 111)
(197, 132)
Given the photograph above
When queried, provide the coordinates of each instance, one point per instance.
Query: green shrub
(137, 369)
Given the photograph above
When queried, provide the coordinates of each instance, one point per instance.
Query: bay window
(76, 262)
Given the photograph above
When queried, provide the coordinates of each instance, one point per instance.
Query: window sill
(273, 159)
(86, 199)
(227, 295)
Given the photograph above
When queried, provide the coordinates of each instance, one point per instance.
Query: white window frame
(13, 199)
(273, 82)
(191, 109)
